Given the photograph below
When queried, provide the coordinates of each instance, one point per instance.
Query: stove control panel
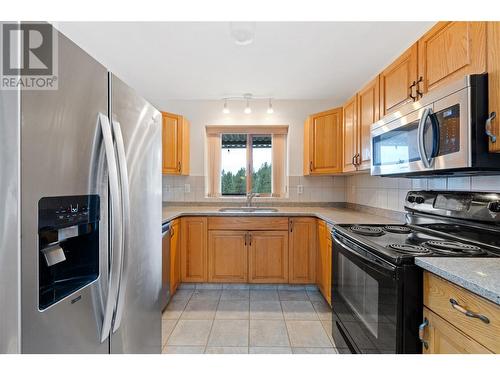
(475, 206)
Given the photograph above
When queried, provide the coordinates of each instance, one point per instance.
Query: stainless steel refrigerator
(81, 239)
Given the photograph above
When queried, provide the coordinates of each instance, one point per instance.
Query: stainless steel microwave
(444, 133)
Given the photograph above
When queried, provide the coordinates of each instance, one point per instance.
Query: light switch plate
(300, 189)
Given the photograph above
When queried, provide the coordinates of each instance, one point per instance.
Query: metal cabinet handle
(310, 166)
(246, 234)
(179, 166)
(421, 332)
(413, 97)
(468, 313)
(417, 91)
(358, 158)
(250, 239)
(487, 127)
(352, 161)
(291, 226)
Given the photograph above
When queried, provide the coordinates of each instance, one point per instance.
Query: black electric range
(377, 292)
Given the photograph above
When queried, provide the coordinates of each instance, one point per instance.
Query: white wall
(293, 113)
(209, 112)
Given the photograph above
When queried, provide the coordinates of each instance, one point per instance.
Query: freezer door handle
(115, 223)
(125, 220)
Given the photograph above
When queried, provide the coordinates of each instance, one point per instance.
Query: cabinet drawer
(437, 296)
(247, 223)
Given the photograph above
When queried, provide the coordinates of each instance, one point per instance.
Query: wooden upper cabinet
(227, 256)
(493, 38)
(449, 51)
(268, 257)
(194, 249)
(368, 113)
(323, 143)
(175, 144)
(302, 251)
(175, 256)
(397, 82)
(350, 128)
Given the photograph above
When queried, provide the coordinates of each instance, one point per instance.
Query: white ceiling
(287, 60)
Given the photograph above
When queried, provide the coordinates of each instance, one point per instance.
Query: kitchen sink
(248, 209)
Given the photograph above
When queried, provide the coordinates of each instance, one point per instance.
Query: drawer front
(437, 296)
(247, 223)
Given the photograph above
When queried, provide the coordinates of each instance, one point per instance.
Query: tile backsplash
(389, 193)
(379, 192)
(300, 189)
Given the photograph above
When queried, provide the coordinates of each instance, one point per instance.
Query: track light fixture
(247, 98)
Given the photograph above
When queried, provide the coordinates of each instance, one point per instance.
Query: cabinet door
(327, 273)
(268, 257)
(449, 51)
(494, 80)
(396, 81)
(443, 338)
(170, 143)
(368, 113)
(302, 251)
(324, 263)
(194, 249)
(227, 256)
(175, 258)
(350, 135)
(325, 142)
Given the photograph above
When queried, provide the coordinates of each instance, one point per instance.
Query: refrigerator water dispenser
(68, 240)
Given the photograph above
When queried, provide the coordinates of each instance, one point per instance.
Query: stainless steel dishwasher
(165, 278)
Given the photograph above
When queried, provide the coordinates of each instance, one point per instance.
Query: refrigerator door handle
(115, 223)
(122, 166)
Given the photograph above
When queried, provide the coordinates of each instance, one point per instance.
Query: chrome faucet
(250, 196)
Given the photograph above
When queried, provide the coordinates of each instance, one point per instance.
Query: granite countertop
(479, 275)
(331, 215)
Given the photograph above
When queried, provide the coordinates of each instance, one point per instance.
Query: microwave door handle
(115, 223)
(421, 145)
(125, 196)
(436, 136)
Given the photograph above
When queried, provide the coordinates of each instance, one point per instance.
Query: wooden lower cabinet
(442, 337)
(302, 251)
(194, 249)
(175, 256)
(324, 261)
(452, 314)
(268, 257)
(227, 256)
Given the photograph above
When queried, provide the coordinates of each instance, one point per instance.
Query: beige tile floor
(241, 319)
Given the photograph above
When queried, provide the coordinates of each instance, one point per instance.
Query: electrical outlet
(187, 188)
(300, 189)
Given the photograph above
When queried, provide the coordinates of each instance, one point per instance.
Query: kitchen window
(243, 160)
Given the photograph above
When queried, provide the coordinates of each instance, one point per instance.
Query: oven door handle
(387, 267)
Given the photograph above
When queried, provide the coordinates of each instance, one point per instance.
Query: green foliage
(235, 184)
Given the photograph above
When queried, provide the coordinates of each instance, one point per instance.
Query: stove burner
(400, 229)
(409, 249)
(453, 248)
(367, 231)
